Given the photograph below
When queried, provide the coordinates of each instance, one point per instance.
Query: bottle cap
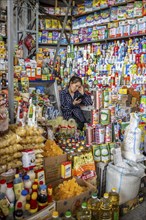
(94, 195)
(19, 205)
(9, 185)
(41, 183)
(106, 195)
(84, 205)
(27, 206)
(2, 181)
(24, 192)
(26, 177)
(55, 214)
(68, 214)
(16, 175)
(114, 189)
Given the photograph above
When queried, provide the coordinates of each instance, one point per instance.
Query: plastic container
(10, 193)
(19, 211)
(3, 186)
(93, 204)
(27, 183)
(68, 216)
(22, 199)
(105, 208)
(55, 215)
(32, 175)
(84, 213)
(18, 186)
(114, 199)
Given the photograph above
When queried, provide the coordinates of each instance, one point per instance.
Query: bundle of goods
(4, 117)
(51, 149)
(10, 152)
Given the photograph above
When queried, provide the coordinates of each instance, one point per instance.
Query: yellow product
(68, 189)
(48, 23)
(114, 199)
(52, 149)
(59, 25)
(54, 23)
(123, 91)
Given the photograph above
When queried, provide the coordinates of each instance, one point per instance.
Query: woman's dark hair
(75, 79)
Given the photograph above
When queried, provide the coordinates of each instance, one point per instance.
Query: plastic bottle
(31, 175)
(27, 183)
(114, 199)
(22, 198)
(94, 205)
(3, 186)
(68, 216)
(84, 213)
(33, 203)
(34, 188)
(19, 211)
(18, 186)
(11, 212)
(50, 194)
(10, 193)
(55, 215)
(105, 208)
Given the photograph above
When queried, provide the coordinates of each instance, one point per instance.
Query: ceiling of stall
(59, 2)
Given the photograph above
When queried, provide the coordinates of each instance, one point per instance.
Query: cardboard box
(44, 214)
(74, 203)
(52, 167)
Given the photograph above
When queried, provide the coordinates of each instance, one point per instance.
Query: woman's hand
(77, 102)
(81, 90)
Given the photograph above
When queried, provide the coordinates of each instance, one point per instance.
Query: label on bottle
(116, 216)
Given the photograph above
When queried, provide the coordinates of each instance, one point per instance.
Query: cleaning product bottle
(18, 186)
(84, 213)
(114, 199)
(105, 208)
(10, 193)
(22, 198)
(3, 186)
(93, 204)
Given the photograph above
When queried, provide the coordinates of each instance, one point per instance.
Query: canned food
(105, 156)
(108, 133)
(111, 150)
(96, 152)
(106, 98)
(99, 134)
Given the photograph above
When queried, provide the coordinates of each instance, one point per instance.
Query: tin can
(96, 152)
(98, 99)
(105, 156)
(112, 112)
(108, 133)
(99, 134)
(105, 116)
(106, 98)
(95, 117)
(111, 149)
(89, 135)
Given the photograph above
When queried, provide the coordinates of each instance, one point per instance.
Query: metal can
(95, 117)
(96, 152)
(99, 134)
(108, 133)
(112, 112)
(89, 135)
(105, 156)
(106, 98)
(111, 149)
(98, 99)
(105, 116)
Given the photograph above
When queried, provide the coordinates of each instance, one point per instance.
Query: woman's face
(74, 86)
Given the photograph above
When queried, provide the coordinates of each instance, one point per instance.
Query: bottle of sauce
(50, 193)
(10, 193)
(32, 175)
(19, 211)
(18, 186)
(3, 186)
(27, 183)
(33, 203)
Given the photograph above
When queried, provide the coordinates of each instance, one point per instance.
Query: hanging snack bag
(122, 13)
(138, 8)
(130, 10)
(113, 14)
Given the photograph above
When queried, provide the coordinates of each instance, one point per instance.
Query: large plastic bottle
(93, 204)
(105, 208)
(68, 216)
(3, 186)
(10, 193)
(84, 213)
(114, 198)
(19, 211)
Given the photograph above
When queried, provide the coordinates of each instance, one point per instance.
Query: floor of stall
(139, 213)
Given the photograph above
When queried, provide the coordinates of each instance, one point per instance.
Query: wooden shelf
(102, 8)
(110, 39)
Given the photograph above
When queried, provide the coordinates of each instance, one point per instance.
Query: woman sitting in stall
(71, 98)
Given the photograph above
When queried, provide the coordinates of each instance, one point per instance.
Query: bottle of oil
(105, 208)
(93, 204)
(68, 216)
(114, 198)
(55, 215)
(84, 213)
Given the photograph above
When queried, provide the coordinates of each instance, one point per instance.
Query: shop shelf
(51, 44)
